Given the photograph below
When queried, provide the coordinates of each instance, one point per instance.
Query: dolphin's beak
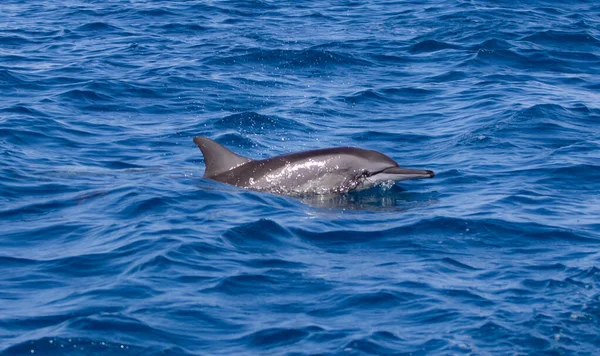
(409, 173)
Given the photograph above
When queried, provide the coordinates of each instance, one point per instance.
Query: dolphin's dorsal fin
(217, 158)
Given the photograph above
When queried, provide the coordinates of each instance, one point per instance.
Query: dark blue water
(112, 243)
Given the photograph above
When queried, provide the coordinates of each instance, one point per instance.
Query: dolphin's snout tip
(431, 174)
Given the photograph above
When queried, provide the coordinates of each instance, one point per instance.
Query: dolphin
(323, 171)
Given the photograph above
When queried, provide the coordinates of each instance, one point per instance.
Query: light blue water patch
(112, 242)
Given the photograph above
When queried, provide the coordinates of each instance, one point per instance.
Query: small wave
(365, 96)
(98, 27)
(14, 40)
(141, 206)
(274, 263)
(503, 56)
(154, 12)
(252, 122)
(378, 343)
(186, 27)
(74, 346)
(540, 110)
(18, 262)
(552, 118)
(409, 92)
(551, 284)
(119, 323)
(492, 44)
(560, 126)
(263, 234)
(310, 58)
(491, 332)
(318, 16)
(35, 137)
(491, 229)
(12, 78)
(548, 267)
(389, 95)
(111, 89)
(245, 284)
(162, 263)
(563, 39)
(40, 207)
(392, 58)
(458, 265)
(274, 337)
(23, 110)
(580, 57)
(533, 60)
(83, 265)
(341, 236)
(270, 282)
(84, 95)
(448, 77)
(429, 46)
(379, 136)
(467, 297)
(382, 299)
(592, 273)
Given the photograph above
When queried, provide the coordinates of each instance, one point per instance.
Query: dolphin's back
(357, 153)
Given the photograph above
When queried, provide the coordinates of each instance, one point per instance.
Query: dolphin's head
(382, 169)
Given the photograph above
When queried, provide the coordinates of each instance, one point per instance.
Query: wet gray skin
(323, 171)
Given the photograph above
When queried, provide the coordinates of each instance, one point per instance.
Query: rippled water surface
(112, 242)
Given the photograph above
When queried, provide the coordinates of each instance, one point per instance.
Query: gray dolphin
(323, 171)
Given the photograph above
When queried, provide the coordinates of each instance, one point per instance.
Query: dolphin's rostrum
(323, 171)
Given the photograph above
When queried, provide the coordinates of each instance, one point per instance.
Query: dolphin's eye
(364, 174)
(370, 174)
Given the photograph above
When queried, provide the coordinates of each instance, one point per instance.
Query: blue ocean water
(112, 243)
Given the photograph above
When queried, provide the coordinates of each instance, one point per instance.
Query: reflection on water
(380, 198)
